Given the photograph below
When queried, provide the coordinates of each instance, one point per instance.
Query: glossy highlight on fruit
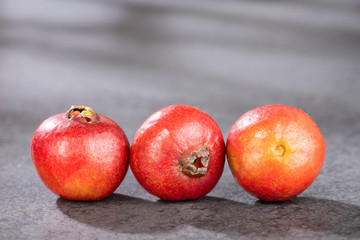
(178, 153)
(80, 155)
(275, 152)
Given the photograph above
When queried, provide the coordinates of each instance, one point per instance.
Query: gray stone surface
(128, 59)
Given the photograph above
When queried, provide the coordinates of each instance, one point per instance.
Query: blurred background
(128, 59)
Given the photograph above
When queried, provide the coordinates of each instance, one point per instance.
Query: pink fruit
(80, 155)
(178, 153)
(275, 152)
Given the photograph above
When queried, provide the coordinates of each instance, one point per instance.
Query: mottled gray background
(128, 59)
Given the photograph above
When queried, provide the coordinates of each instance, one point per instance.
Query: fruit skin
(80, 160)
(269, 172)
(165, 140)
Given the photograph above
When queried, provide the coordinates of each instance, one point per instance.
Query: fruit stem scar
(196, 165)
(279, 150)
(86, 114)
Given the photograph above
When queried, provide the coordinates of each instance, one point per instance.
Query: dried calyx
(82, 113)
(196, 165)
(279, 151)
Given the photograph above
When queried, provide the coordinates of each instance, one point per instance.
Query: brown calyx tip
(279, 151)
(82, 113)
(196, 165)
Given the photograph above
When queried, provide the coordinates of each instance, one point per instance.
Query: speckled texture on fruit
(79, 160)
(128, 59)
(275, 152)
(165, 141)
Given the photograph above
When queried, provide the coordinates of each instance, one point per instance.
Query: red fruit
(275, 152)
(178, 153)
(80, 155)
